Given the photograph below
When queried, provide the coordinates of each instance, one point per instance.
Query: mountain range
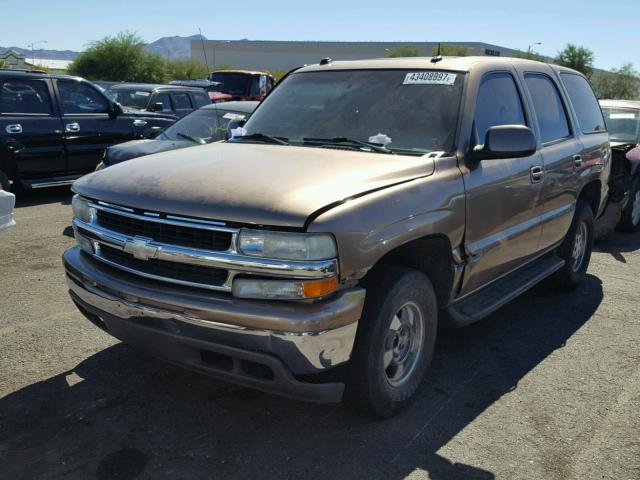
(172, 47)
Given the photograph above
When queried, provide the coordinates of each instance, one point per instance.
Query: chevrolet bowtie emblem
(140, 248)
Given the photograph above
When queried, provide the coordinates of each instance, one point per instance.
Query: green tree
(576, 57)
(188, 69)
(120, 58)
(620, 84)
(404, 51)
(451, 50)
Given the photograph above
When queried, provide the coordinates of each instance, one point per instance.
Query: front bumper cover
(190, 328)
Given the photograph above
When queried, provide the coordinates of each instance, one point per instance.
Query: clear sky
(611, 29)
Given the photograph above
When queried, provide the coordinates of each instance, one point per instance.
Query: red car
(239, 85)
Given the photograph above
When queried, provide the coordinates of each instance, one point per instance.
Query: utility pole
(204, 52)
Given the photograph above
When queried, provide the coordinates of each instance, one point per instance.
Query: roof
(634, 104)
(245, 72)
(456, 64)
(244, 107)
(151, 86)
(47, 63)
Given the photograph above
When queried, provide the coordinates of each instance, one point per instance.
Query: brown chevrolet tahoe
(362, 206)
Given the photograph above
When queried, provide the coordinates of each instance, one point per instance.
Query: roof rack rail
(4, 69)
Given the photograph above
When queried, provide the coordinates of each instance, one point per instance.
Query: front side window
(412, 112)
(623, 124)
(24, 96)
(130, 97)
(181, 101)
(584, 103)
(548, 106)
(498, 103)
(201, 99)
(78, 98)
(165, 100)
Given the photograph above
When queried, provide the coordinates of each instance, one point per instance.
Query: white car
(7, 201)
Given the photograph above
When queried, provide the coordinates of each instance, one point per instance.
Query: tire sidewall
(583, 214)
(627, 218)
(409, 286)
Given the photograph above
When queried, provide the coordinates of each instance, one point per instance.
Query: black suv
(173, 99)
(54, 128)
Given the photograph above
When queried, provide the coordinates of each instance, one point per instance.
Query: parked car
(205, 125)
(239, 85)
(7, 202)
(54, 128)
(364, 204)
(171, 99)
(623, 210)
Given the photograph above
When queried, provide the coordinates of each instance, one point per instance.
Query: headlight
(81, 209)
(287, 246)
(283, 289)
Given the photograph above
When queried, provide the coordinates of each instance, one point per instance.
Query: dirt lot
(548, 387)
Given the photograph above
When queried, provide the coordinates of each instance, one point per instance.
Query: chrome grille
(161, 232)
(161, 269)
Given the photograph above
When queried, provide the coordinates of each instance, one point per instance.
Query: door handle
(13, 128)
(537, 174)
(72, 127)
(139, 123)
(577, 161)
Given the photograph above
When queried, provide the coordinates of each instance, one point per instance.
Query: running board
(490, 298)
(49, 182)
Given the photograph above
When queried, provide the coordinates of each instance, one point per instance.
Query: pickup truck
(54, 128)
(363, 205)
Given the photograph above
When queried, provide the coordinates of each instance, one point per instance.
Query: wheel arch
(591, 193)
(431, 255)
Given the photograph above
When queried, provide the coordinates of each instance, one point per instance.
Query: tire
(4, 182)
(630, 221)
(576, 249)
(397, 329)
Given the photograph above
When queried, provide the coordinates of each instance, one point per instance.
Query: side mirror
(115, 110)
(157, 107)
(506, 141)
(153, 132)
(232, 125)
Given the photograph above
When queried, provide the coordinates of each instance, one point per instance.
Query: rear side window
(584, 103)
(548, 106)
(181, 101)
(201, 99)
(498, 103)
(25, 96)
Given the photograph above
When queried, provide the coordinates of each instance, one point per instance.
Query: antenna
(204, 52)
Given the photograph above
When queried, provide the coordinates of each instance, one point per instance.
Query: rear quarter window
(584, 103)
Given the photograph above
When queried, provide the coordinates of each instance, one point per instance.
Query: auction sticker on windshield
(429, 78)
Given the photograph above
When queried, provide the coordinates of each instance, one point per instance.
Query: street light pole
(530, 47)
(33, 56)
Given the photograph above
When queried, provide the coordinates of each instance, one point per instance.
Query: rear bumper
(7, 202)
(262, 345)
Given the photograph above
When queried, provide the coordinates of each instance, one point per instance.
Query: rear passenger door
(558, 145)
(30, 130)
(503, 198)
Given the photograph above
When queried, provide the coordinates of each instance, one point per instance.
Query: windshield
(406, 111)
(201, 126)
(623, 124)
(133, 98)
(233, 83)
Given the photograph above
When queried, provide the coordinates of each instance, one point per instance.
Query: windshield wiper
(263, 138)
(189, 137)
(372, 146)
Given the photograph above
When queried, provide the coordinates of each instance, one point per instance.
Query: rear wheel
(630, 221)
(576, 249)
(395, 340)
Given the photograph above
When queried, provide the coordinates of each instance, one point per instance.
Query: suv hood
(249, 183)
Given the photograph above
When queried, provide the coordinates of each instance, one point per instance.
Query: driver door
(504, 196)
(88, 126)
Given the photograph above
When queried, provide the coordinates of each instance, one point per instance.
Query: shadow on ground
(30, 198)
(618, 244)
(120, 414)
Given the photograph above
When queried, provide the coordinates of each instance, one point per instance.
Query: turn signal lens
(319, 288)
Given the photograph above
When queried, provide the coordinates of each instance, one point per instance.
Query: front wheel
(576, 249)
(630, 221)
(395, 340)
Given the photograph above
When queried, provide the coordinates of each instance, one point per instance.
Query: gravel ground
(546, 388)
